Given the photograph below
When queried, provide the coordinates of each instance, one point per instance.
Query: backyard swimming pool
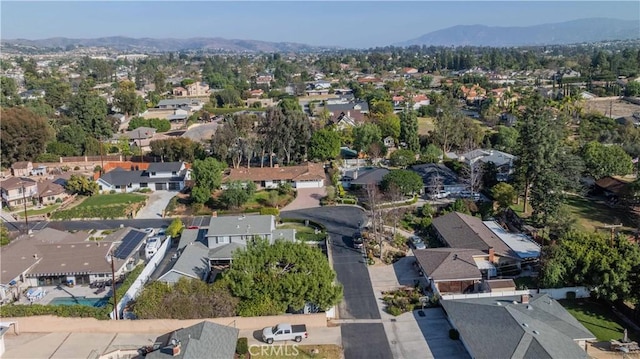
(90, 302)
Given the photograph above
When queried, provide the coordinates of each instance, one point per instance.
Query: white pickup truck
(284, 331)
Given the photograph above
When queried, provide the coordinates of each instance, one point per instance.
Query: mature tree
(23, 135)
(57, 93)
(448, 132)
(389, 125)
(126, 99)
(237, 193)
(632, 89)
(506, 139)
(409, 182)
(292, 135)
(4, 235)
(409, 130)
(229, 97)
(61, 149)
(175, 228)
(504, 194)
(601, 161)
(593, 260)
(91, 112)
(431, 154)
(234, 141)
(74, 136)
(200, 194)
(160, 124)
(207, 173)
(82, 185)
(539, 148)
(176, 149)
(365, 135)
(269, 279)
(402, 158)
(160, 82)
(8, 92)
(289, 105)
(187, 299)
(325, 145)
(267, 131)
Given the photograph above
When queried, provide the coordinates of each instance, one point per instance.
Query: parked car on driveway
(417, 242)
(284, 331)
(440, 194)
(358, 240)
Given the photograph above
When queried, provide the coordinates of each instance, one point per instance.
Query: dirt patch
(611, 106)
(600, 350)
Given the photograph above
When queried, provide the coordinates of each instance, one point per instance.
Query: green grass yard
(592, 215)
(112, 199)
(104, 206)
(598, 318)
(38, 211)
(425, 125)
(303, 232)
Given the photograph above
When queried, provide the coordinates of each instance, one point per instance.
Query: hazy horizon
(354, 24)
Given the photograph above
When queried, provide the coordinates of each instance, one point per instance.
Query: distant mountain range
(149, 44)
(569, 32)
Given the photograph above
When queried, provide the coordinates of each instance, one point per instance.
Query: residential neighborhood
(166, 196)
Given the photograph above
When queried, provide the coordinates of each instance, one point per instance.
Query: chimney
(355, 174)
(492, 254)
(176, 349)
(525, 299)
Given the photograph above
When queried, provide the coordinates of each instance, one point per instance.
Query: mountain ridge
(559, 33)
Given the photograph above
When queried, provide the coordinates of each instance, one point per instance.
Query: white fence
(555, 293)
(142, 279)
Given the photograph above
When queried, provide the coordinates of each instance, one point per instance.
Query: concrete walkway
(306, 198)
(411, 335)
(156, 204)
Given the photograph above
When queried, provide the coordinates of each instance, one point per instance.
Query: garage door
(174, 186)
(161, 186)
(309, 184)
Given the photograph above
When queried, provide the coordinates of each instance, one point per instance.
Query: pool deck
(66, 292)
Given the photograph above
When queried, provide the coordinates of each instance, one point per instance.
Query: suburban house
(357, 110)
(185, 104)
(50, 191)
(438, 177)
(361, 177)
(179, 114)
(206, 251)
(452, 270)
(194, 89)
(611, 187)
(52, 257)
(462, 231)
(202, 340)
(310, 175)
(16, 190)
(39, 171)
(517, 327)
(264, 80)
(342, 121)
(159, 176)
(139, 137)
(503, 161)
(22, 168)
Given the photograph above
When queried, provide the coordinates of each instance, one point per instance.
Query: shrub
(58, 200)
(242, 347)
(454, 334)
(97, 169)
(393, 310)
(270, 210)
(113, 191)
(145, 190)
(76, 168)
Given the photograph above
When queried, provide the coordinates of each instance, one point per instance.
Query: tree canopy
(23, 135)
(325, 145)
(408, 182)
(269, 279)
(601, 161)
(207, 173)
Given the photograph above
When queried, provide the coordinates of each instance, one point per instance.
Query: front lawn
(598, 318)
(260, 199)
(104, 206)
(304, 233)
(327, 351)
(35, 212)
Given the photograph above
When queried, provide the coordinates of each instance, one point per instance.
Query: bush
(454, 334)
(393, 310)
(242, 347)
(270, 210)
(58, 200)
(113, 191)
(145, 190)
(76, 168)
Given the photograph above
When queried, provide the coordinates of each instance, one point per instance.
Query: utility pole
(613, 230)
(24, 200)
(101, 158)
(113, 286)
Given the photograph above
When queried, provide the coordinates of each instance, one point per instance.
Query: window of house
(144, 185)
(153, 173)
(174, 173)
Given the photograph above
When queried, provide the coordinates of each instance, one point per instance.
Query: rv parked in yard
(284, 331)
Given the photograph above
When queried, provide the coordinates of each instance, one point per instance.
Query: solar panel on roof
(129, 243)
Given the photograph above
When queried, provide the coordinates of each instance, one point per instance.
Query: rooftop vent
(529, 307)
(498, 303)
(515, 302)
(525, 325)
(536, 332)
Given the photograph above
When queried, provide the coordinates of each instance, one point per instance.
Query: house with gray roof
(202, 340)
(517, 327)
(451, 270)
(185, 104)
(503, 161)
(205, 250)
(361, 177)
(160, 176)
(438, 177)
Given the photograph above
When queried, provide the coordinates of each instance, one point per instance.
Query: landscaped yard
(304, 233)
(328, 351)
(103, 206)
(261, 199)
(598, 318)
(38, 211)
(425, 125)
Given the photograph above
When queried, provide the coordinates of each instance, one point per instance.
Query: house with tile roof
(309, 175)
(517, 327)
(202, 340)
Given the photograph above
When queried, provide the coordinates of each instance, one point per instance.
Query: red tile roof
(307, 172)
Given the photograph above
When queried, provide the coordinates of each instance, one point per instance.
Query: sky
(356, 24)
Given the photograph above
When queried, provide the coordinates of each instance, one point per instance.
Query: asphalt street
(107, 224)
(360, 340)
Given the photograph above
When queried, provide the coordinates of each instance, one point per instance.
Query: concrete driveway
(413, 335)
(307, 198)
(156, 203)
